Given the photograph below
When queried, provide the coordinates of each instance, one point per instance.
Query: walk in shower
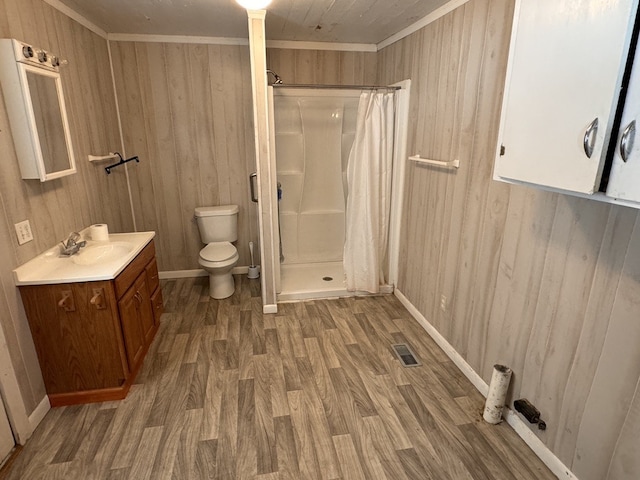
(313, 130)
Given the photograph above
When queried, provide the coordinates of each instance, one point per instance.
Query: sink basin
(101, 253)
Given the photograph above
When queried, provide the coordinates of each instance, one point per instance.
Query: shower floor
(303, 281)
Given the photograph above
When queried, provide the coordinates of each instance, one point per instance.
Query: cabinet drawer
(129, 274)
(157, 305)
(152, 276)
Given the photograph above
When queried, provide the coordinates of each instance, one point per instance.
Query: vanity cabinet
(91, 337)
(566, 66)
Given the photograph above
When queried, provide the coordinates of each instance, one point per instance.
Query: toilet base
(221, 286)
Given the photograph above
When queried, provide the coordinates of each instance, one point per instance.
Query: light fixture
(254, 4)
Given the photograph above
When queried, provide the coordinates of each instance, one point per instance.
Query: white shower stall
(313, 131)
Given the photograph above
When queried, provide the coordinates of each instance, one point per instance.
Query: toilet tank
(217, 224)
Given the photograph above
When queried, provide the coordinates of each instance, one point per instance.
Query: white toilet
(218, 227)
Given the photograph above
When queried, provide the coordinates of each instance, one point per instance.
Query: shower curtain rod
(337, 87)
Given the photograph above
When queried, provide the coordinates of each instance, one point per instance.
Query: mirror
(47, 115)
(35, 105)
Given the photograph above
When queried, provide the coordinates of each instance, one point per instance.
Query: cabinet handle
(67, 302)
(252, 179)
(97, 299)
(589, 140)
(627, 140)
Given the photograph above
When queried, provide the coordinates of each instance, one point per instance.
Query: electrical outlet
(23, 231)
(443, 303)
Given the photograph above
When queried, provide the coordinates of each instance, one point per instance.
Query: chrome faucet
(71, 245)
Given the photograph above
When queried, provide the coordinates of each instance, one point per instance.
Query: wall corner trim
(39, 413)
(556, 466)
(266, 309)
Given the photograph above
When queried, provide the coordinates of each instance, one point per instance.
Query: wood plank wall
(548, 284)
(317, 67)
(186, 111)
(60, 206)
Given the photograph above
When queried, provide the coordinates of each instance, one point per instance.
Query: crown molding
(72, 14)
(345, 47)
(423, 22)
(145, 38)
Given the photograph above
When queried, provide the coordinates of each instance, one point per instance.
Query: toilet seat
(218, 254)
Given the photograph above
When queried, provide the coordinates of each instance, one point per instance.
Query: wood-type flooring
(313, 392)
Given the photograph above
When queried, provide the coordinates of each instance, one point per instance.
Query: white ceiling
(339, 21)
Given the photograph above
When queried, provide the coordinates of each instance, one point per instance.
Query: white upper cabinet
(624, 179)
(565, 70)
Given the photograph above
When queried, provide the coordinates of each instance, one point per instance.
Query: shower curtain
(369, 173)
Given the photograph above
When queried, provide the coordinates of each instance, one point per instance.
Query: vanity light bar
(30, 55)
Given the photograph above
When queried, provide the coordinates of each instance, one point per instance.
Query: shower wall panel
(313, 140)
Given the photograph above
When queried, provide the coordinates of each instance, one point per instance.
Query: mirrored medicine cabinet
(33, 96)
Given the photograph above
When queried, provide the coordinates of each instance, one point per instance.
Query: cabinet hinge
(502, 150)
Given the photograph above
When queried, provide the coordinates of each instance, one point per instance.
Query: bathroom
(540, 281)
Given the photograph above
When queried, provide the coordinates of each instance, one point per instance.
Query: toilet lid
(218, 252)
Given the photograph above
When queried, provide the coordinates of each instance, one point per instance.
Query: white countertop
(51, 268)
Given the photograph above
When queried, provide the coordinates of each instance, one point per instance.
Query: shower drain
(327, 279)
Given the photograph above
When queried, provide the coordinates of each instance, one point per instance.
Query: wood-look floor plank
(317, 420)
(78, 419)
(307, 459)
(206, 459)
(146, 453)
(348, 457)
(245, 349)
(413, 467)
(286, 448)
(311, 393)
(246, 461)
(389, 460)
(278, 387)
(325, 388)
(377, 388)
(264, 435)
(184, 466)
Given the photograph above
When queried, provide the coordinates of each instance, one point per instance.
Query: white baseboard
(38, 414)
(198, 272)
(451, 352)
(558, 468)
(182, 274)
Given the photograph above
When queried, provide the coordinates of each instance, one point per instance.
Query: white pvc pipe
(497, 394)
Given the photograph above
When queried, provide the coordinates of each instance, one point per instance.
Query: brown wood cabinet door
(145, 310)
(77, 343)
(153, 279)
(157, 305)
(129, 306)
